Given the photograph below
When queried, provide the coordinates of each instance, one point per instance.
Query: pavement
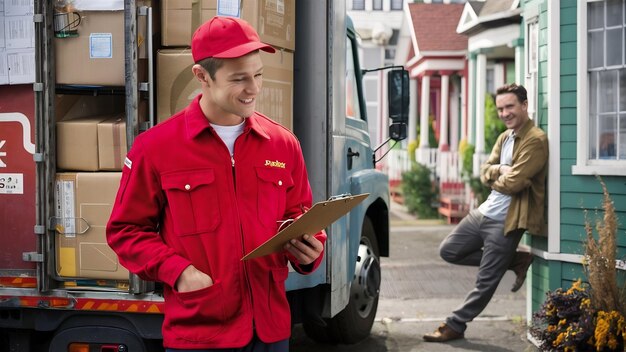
(418, 291)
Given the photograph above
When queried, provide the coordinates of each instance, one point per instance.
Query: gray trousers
(479, 241)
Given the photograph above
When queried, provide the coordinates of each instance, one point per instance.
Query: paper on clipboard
(315, 219)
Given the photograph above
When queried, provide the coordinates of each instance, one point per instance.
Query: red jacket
(182, 200)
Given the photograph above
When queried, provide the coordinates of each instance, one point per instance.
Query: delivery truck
(63, 138)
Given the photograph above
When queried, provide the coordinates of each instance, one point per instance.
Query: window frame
(531, 72)
(356, 8)
(396, 8)
(584, 164)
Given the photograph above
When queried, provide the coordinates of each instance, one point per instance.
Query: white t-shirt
(229, 134)
(497, 204)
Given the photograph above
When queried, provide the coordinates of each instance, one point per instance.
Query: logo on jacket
(275, 163)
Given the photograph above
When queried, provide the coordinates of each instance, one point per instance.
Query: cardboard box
(96, 56)
(112, 147)
(79, 146)
(274, 20)
(177, 87)
(276, 98)
(83, 205)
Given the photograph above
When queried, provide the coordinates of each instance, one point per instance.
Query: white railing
(449, 167)
(397, 163)
(427, 157)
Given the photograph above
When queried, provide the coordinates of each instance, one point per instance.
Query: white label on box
(21, 65)
(66, 216)
(4, 69)
(100, 45)
(11, 183)
(228, 8)
(19, 32)
(19, 7)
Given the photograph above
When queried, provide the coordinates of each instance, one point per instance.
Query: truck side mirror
(398, 102)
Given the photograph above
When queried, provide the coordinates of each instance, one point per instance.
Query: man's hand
(504, 169)
(192, 279)
(306, 249)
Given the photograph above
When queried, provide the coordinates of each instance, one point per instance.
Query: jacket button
(187, 187)
(280, 183)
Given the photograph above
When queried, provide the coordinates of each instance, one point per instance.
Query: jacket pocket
(198, 315)
(277, 299)
(272, 195)
(192, 200)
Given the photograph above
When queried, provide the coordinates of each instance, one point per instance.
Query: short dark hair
(518, 90)
(211, 65)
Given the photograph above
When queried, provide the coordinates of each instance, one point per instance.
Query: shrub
(419, 192)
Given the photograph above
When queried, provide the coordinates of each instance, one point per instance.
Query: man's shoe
(520, 266)
(443, 334)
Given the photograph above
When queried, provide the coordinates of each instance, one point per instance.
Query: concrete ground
(419, 290)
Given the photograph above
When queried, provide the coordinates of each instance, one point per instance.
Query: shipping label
(11, 183)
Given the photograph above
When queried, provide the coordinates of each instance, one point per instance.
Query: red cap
(225, 38)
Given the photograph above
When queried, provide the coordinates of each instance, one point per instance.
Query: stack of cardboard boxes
(274, 21)
(91, 147)
(91, 139)
(91, 130)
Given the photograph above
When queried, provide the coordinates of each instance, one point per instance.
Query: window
(396, 4)
(607, 80)
(377, 5)
(602, 92)
(358, 4)
(352, 90)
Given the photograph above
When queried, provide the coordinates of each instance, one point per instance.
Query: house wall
(578, 193)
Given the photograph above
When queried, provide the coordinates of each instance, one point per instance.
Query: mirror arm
(365, 70)
(387, 152)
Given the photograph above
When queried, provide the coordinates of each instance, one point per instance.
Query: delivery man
(207, 186)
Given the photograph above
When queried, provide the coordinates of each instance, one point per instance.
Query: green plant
(493, 125)
(411, 147)
(419, 192)
(432, 140)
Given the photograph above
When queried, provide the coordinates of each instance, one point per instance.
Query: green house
(575, 56)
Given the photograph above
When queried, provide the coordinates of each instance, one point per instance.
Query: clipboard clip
(339, 196)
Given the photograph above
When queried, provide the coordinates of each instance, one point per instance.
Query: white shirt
(229, 134)
(497, 204)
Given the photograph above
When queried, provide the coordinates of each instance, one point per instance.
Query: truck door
(17, 179)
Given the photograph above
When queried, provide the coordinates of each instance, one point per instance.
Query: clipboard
(320, 216)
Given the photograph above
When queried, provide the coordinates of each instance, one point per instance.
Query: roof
(434, 27)
(479, 15)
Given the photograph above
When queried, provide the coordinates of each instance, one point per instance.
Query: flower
(568, 322)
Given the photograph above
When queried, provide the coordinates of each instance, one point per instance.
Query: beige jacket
(526, 183)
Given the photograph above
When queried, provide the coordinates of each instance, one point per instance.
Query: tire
(354, 322)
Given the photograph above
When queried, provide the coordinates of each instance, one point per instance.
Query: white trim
(559, 257)
(570, 258)
(494, 37)
(554, 127)
(597, 169)
(434, 64)
(464, 24)
(460, 53)
(581, 88)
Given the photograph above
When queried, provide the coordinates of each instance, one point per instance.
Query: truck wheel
(354, 323)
